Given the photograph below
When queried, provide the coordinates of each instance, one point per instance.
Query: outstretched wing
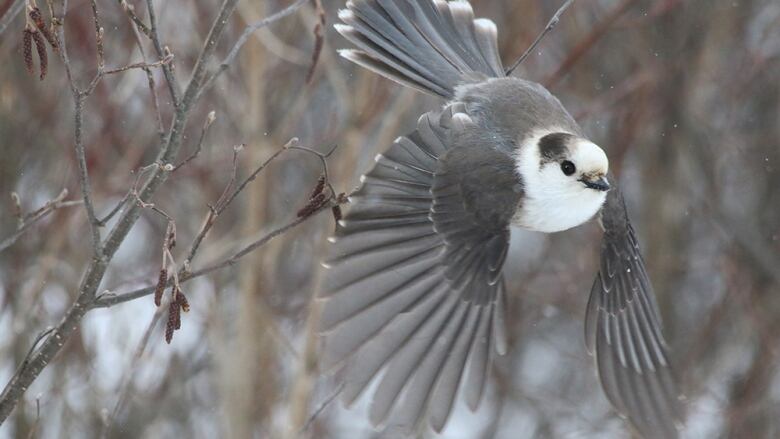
(414, 276)
(623, 329)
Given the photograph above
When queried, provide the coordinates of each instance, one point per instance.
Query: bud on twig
(16, 205)
(210, 118)
(168, 55)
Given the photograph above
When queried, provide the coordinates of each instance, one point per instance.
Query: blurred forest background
(683, 94)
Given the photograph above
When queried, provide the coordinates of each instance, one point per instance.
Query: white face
(564, 187)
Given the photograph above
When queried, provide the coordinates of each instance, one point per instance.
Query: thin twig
(258, 170)
(214, 211)
(321, 407)
(86, 190)
(323, 160)
(102, 72)
(37, 340)
(34, 430)
(102, 221)
(127, 383)
(31, 218)
(137, 29)
(209, 120)
(132, 193)
(63, 52)
(248, 31)
(78, 141)
(101, 62)
(140, 65)
(110, 299)
(26, 362)
(550, 25)
(10, 14)
(150, 206)
(319, 40)
(130, 12)
(162, 51)
(107, 300)
(586, 43)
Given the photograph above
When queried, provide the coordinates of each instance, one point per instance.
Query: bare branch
(248, 31)
(256, 172)
(37, 340)
(27, 221)
(34, 430)
(63, 52)
(137, 28)
(550, 26)
(86, 190)
(10, 14)
(107, 300)
(130, 12)
(323, 160)
(127, 382)
(162, 51)
(98, 36)
(319, 40)
(140, 65)
(102, 221)
(214, 212)
(224, 201)
(210, 118)
(586, 43)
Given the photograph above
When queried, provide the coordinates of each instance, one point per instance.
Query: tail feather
(429, 45)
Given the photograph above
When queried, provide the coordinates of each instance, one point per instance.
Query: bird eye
(568, 167)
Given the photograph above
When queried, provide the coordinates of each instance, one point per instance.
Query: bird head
(568, 161)
(565, 180)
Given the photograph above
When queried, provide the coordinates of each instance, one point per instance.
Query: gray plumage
(623, 330)
(411, 287)
(414, 284)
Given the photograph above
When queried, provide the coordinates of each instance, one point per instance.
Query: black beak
(599, 184)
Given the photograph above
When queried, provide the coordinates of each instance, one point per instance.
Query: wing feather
(413, 281)
(623, 329)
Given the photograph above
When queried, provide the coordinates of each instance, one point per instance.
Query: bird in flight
(413, 292)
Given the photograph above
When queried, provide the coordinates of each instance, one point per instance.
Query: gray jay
(413, 286)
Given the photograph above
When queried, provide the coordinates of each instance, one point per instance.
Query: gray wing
(623, 329)
(413, 284)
